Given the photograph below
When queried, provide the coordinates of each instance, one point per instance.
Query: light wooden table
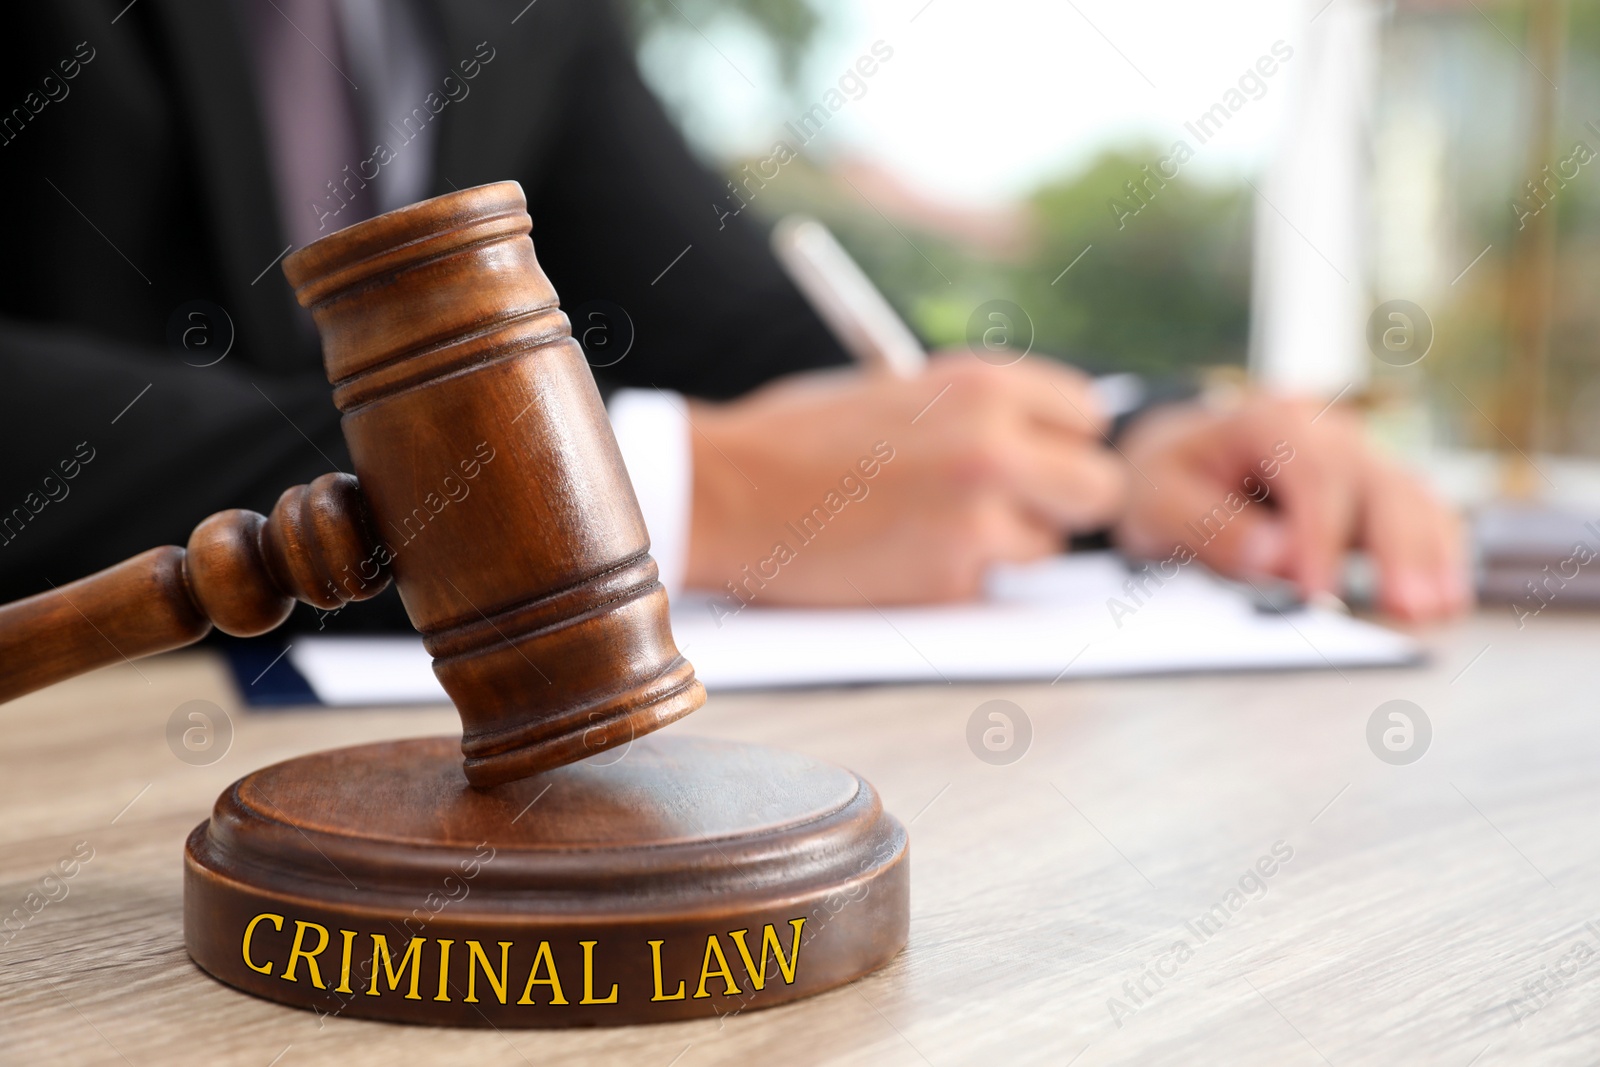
(1419, 902)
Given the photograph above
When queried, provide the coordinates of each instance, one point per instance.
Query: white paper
(367, 670)
(1047, 621)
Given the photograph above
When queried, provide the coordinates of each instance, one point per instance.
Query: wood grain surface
(1418, 905)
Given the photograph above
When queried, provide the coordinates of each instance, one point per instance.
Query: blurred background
(1219, 189)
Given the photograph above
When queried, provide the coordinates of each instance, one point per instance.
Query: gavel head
(493, 483)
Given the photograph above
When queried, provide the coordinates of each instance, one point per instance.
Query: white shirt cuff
(653, 436)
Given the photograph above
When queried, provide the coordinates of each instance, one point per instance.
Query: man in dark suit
(158, 159)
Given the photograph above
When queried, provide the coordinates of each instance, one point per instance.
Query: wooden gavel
(488, 487)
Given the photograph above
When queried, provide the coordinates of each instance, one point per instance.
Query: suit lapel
(219, 99)
(482, 138)
(485, 137)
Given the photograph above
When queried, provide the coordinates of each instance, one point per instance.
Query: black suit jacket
(141, 183)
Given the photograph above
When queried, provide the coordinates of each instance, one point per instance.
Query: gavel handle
(241, 573)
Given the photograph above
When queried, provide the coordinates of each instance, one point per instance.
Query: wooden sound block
(673, 878)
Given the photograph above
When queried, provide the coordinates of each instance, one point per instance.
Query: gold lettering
(277, 924)
(349, 937)
(769, 939)
(413, 958)
(474, 958)
(554, 981)
(714, 948)
(297, 953)
(655, 959)
(588, 977)
(444, 969)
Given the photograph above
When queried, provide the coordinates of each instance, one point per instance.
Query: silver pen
(866, 325)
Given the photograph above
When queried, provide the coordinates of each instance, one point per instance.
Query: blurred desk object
(1535, 557)
(1418, 903)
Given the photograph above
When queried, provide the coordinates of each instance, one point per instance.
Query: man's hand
(830, 488)
(1273, 488)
